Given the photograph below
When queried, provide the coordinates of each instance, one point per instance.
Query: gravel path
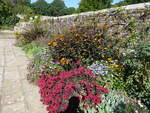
(16, 94)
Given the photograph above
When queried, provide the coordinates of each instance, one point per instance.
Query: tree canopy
(40, 7)
(136, 1)
(56, 8)
(92, 5)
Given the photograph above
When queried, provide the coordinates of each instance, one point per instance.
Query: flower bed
(56, 90)
(77, 62)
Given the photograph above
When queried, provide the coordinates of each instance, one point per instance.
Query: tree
(57, 8)
(67, 11)
(121, 3)
(70, 10)
(92, 5)
(7, 18)
(13, 3)
(41, 7)
(59, 4)
(22, 9)
(23, 2)
(4, 11)
(136, 1)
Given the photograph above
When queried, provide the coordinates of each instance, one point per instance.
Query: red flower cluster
(56, 90)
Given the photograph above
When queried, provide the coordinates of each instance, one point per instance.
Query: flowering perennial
(98, 69)
(79, 43)
(56, 90)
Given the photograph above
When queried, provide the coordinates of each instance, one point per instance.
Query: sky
(73, 3)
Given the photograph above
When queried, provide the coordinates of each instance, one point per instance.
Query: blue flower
(98, 69)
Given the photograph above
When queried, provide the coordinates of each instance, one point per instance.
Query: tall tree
(58, 8)
(59, 4)
(41, 7)
(23, 2)
(4, 11)
(121, 3)
(18, 2)
(136, 1)
(92, 5)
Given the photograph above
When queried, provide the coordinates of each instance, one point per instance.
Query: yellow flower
(62, 61)
(102, 56)
(110, 60)
(116, 65)
(99, 47)
(54, 43)
(99, 40)
(95, 38)
(97, 25)
(49, 43)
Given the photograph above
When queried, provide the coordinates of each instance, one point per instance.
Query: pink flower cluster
(56, 90)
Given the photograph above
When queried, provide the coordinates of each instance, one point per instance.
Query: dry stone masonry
(115, 18)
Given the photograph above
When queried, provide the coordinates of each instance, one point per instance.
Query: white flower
(131, 50)
(140, 104)
(31, 18)
(124, 54)
(36, 17)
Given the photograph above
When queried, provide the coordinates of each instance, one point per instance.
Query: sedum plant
(111, 103)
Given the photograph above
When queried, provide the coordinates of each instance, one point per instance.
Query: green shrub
(22, 9)
(32, 49)
(110, 103)
(11, 20)
(136, 77)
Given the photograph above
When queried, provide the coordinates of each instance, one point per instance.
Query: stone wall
(116, 19)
